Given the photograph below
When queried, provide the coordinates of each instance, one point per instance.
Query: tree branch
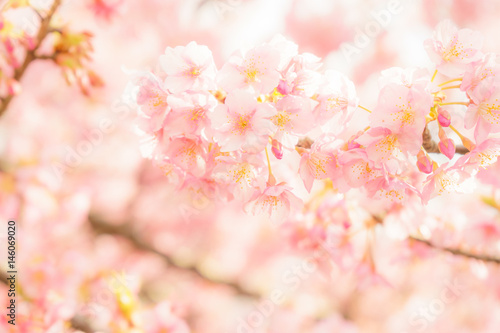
(126, 232)
(431, 146)
(457, 252)
(31, 54)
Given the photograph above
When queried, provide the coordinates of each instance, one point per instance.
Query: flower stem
(270, 180)
(465, 141)
(457, 132)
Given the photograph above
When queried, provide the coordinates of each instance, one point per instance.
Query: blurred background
(92, 213)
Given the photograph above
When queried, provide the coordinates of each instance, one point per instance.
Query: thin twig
(457, 252)
(31, 54)
(126, 232)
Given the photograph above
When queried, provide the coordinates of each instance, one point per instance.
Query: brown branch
(80, 323)
(458, 252)
(3, 277)
(431, 146)
(31, 54)
(126, 232)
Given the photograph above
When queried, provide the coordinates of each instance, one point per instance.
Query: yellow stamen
(362, 107)
(434, 75)
(455, 103)
(451, 87)
(449, 81)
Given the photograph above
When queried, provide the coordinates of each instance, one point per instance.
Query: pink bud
(447, 147)
(444, 118)
(277, 149)
(424, 162)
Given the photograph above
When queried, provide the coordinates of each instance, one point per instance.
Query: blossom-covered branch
(70, 51)
(31, 54)
(212, 130)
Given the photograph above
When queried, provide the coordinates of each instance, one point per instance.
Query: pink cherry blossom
(337, 98)
(489, 175)
(484, 111)
(189, 113)
(319, 162)
(486, 69)
(276, 201)
(452, 49)
(189, 67)
(403, 110)
(242, 123)
(256, 69)
(188, 154)
(301, 77)
(443, 180)
(240, 176)
(358, 169)
(293, 118)
(481, 157)
(152, 99)
(393, 189)
(385, 148)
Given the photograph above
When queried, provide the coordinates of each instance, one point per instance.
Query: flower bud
(424, 162)
(444, 117)
(447, 147)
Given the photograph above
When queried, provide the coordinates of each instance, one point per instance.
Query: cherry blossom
(443, 180)
(292, 119)
(484, 111)
(276, 201)
(452, 49)
(336, 96)
(189, 67)
(189, 113)
(242, 122)
(256, 69)
(319, 162)
(403, 110)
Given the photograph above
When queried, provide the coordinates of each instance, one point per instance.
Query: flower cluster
(213, 130)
